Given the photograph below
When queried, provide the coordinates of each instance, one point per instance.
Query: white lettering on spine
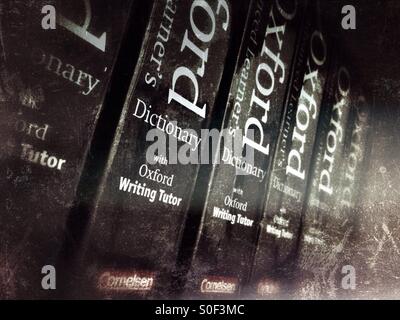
(307, 108)
(82, 31)
(260, 95)
(183, 73)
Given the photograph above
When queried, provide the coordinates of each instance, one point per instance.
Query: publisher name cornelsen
(217, 286)
(267, 288)
(125, 281)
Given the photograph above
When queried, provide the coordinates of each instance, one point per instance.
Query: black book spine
(53, 84)
(279, 228)
(349, 211)
(141, 206)
(323, 232)
(226, 237)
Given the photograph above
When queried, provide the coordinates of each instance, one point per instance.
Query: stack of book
(179, 149)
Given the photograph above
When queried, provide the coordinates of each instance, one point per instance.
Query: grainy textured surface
(280, 228)
(140, 232)
(371, 245)
(45, 102)
(225, 246)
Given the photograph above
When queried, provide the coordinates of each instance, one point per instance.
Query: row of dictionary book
(84, 105)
